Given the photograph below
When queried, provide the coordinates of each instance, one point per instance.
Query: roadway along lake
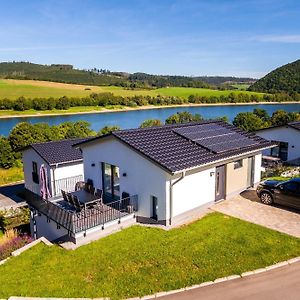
(132, 119)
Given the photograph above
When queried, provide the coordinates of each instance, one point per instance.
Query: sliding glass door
(111, 182)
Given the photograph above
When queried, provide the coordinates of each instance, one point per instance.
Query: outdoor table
(85, 197)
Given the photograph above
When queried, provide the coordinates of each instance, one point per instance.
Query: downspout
(54, 182)
(171, 195)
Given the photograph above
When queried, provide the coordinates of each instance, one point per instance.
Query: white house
(288, 139)
(174, 168)
(62, 162)
(159, 174)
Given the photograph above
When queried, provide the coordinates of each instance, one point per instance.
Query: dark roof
(59, 152)
(174, 152)
(295, 125)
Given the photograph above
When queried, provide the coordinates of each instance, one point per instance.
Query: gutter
(171, 195)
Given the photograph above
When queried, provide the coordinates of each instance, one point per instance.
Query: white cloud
(293, 38)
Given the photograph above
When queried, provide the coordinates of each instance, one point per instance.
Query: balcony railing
(76, 222)
(66, 184)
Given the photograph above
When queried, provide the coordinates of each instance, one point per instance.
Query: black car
(281, 192)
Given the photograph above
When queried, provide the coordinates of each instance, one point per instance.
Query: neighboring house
(160, 174)
(63, 164)
(288, 139)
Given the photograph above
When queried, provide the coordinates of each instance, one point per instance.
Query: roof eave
(66, 162)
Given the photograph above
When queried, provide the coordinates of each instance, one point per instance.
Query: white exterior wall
(142, 177)
(72, 171)
(195, 189)
(61, 172)
(65, 171)
(28, 156)
(257, 168)
(283, 134)
(47, 229)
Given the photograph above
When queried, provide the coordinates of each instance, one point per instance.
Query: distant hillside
(56, 73)
(283, 79)
(67, 74)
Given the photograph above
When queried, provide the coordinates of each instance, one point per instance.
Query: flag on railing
(44, 190)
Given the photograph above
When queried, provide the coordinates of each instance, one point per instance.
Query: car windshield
(283, 181)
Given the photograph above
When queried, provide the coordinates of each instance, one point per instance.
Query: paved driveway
(8, 196)
(247, 207)
(278, 284)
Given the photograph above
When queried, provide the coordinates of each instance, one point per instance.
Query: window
(291, 187)
(111, 181)
(238, 164)
(35, 175)
(281, 150)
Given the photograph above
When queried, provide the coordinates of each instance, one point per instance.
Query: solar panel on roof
(215, 137)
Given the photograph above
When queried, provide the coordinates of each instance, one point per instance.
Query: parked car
(281, 192)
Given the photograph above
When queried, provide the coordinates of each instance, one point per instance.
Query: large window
(35, 175)
(111, 182)
(281, 151)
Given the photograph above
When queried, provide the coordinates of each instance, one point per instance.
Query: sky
(245, 38)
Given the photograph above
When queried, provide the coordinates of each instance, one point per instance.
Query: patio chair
(92, 190)
(99, 193)
(64, 194)
(79, 185)
(77, 203)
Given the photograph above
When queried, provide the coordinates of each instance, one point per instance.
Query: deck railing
(76, 222)
(104, 213)
(65, 184)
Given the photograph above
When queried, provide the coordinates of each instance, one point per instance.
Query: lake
(132, 119)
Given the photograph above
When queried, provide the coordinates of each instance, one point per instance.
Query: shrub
(13, 244)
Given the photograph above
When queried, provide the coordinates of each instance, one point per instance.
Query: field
(11, 175)
(140, 261)
(12, 89)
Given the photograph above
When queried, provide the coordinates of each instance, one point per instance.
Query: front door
(154, 207)
(220, 183)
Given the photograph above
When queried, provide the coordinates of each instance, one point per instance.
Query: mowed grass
(13, 89)
(139, 260)
(11, 175)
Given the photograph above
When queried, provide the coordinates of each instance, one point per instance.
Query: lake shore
(147, 107)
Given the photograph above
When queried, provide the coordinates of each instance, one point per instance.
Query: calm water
(131, 119)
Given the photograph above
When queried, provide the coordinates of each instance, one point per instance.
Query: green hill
(282, 79)
(56, 73)
(67, 74)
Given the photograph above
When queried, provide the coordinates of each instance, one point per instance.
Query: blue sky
(188, 37)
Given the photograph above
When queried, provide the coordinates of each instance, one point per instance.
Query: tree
(151, 123)
(79, 129)
(281, 117)
(7, 158)
(248, 121)
(262, 113)
(108, 129)
(22, 135)
(183, 117)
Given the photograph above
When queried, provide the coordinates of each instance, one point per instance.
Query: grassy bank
(140, 261)
(12, 89)
(11, 175)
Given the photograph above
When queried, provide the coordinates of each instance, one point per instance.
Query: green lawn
(139, 261)
(13, 89)
(11, 175)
